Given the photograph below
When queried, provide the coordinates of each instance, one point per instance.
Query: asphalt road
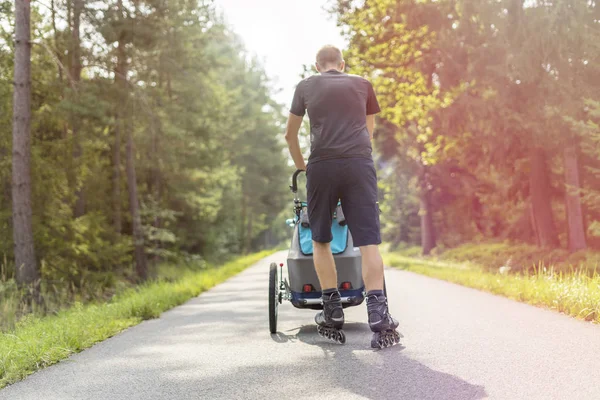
(458, 344)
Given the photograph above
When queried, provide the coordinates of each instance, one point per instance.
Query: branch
(49, 8)
(60, 65)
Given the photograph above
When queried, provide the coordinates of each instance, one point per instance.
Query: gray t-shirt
(338, 105)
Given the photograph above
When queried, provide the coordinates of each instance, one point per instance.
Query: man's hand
(291, 136)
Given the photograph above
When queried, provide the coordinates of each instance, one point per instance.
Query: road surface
(458, 343)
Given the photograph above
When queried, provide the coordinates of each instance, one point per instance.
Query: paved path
(459, 344)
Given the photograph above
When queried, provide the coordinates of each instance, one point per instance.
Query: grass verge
(576, 293)
(39, 342)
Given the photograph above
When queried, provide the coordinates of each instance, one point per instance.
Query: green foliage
(470, 92)
(207, 142)
(38, 342)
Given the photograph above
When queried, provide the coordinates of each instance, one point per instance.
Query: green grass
(38, 342)
(576, 293)
(521, 257)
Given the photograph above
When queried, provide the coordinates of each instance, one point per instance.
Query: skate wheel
(341, 337)
(375, 343)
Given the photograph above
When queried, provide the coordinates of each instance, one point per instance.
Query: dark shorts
(354, 182)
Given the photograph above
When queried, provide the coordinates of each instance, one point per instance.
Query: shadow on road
(388, 374)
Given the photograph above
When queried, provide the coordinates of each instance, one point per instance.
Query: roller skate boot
(381, 322)
(331, 320)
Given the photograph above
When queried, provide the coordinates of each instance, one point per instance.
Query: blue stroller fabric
(338, 244)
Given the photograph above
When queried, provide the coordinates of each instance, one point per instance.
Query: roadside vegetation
(563, 282)
(36, 342)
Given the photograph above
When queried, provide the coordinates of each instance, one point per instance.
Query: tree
(75, 75)
(588, 131)
(394, 43)
(127, 122)
(26, 265)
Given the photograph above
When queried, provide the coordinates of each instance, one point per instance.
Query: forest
(489, 130)
(148, 136)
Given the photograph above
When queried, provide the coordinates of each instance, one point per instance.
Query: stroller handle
(294, 186)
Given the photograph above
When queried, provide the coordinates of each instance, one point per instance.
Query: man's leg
(322, 197)
(372, 267)
(332, 316)
(359, 201)
(324, 265)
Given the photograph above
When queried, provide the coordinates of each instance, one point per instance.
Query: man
(341, 110)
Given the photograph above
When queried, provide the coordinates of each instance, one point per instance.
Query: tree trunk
(26, 268)
(121, 84)
(532, 223)
(427, 228)
(243, 222)
(539, 186)
(56, 51)
(125, 127)
(248, 241)
(138, 234)
(576, 231)
(75, 123)
(117, 177)
(76, 41)
(154, 187)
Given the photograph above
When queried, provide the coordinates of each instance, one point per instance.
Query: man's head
(328, 58)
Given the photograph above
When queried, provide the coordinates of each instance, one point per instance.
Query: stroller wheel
(274, 297)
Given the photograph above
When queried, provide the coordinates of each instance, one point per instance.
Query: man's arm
(371, 125)
(291, 136)
(372, 109)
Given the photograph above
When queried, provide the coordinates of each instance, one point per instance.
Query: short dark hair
(329, 55)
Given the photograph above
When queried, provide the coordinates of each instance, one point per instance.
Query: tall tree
(541, 193)
(25, 261)
(76, 67)
(588, 133)
(121, 33)
(132, 186)
(134, 206)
